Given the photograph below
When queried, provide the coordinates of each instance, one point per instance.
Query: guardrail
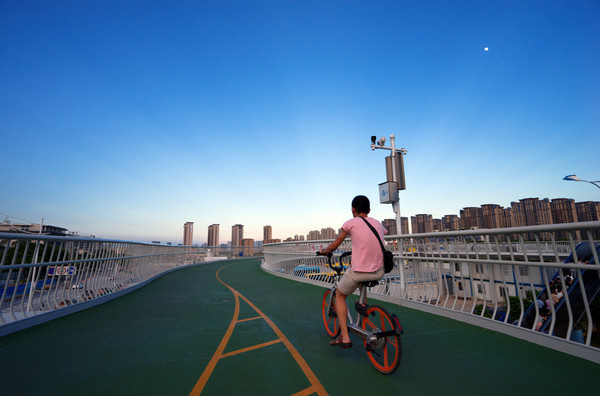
(43, 277)
(501, 279)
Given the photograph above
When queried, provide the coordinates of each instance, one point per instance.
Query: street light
(575, 178)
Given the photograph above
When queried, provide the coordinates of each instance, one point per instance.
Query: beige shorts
(351, 279)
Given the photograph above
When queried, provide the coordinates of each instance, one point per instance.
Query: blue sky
(125, 119)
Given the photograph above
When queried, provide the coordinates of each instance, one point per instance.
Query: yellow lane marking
(246, 320)
(315, 387)
(251, 348)
(305, 392)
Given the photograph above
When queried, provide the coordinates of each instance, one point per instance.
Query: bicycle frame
(379, 330)
(355, 325)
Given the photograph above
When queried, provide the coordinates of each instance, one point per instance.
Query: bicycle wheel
(330, 320)
(385, 354)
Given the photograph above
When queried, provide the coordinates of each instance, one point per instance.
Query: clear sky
(125, 119)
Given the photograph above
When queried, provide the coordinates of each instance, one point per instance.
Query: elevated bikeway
(228, 327)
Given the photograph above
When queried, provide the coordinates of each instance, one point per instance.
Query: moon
(486, 48)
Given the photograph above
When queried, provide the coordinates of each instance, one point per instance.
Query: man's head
(361, 205)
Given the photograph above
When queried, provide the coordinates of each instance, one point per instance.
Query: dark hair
(361, 204)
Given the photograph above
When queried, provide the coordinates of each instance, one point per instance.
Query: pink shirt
(366, 251)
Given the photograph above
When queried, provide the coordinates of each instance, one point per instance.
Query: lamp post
(388, 191)
(395, 176)
(575, 178)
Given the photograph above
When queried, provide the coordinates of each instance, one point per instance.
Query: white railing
(498, 279)
(42, 277)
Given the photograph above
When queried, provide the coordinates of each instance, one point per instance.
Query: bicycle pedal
(361, 308)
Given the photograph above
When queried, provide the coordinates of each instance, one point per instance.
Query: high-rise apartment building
(390, 226)
(314, 235)
(588, 211)
(267, 233)
(247, 246)
(327, 233)
(436, 225)
(471, 218)
(531, 211)
(492, 215)
(563, 211)
(213, 235)
(404, 227)
(188, 233)
(422, 223)
(450, 223)
(237, 234)
(507, 218)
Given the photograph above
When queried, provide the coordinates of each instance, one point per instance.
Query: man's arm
(334, 245)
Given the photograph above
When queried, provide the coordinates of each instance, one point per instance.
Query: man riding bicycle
(367, 260)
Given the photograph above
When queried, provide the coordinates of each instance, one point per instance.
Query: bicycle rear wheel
(386, 353)
(330, 320)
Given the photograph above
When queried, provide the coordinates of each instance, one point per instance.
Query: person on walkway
(367, 260)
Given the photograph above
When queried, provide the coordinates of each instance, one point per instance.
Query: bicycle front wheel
(386, 352)
(330, 320)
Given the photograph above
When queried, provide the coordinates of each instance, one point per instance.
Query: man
(367, 260)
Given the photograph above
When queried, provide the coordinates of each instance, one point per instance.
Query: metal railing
(501, 279)
(42, 277)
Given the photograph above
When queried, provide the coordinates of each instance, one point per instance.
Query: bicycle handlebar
(330, 255)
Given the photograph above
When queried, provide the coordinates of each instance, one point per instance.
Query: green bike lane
(160, 339)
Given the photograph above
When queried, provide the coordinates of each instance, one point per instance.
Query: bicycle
(379, 330)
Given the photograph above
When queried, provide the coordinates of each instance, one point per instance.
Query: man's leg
(341, 309)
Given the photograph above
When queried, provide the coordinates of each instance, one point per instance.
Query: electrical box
(399, 170)
(388, 192)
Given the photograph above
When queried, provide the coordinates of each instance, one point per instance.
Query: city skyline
(487, 215)
(262, 112)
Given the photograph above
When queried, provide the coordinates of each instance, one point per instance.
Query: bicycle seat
(370, 283)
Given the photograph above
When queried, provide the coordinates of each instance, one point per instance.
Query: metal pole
(396, 205)
(34, 272)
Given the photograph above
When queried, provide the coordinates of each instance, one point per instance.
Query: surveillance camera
(381, 141)
(373, 138)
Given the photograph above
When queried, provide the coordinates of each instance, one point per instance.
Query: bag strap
(374, 232)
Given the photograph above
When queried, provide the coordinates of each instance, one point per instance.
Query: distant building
(471, 218)
(237, 234)
(588, 211)
(404, 226)
(450, 223)
(188, 233)
(421, 223)
(267, 233)
(436, 225)
(213, 235)
(563, 211)
(247, 247)
(532, 211)
(314, 235)
(33, 229)
(492, 216)
(327, 233)
(390, 226)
